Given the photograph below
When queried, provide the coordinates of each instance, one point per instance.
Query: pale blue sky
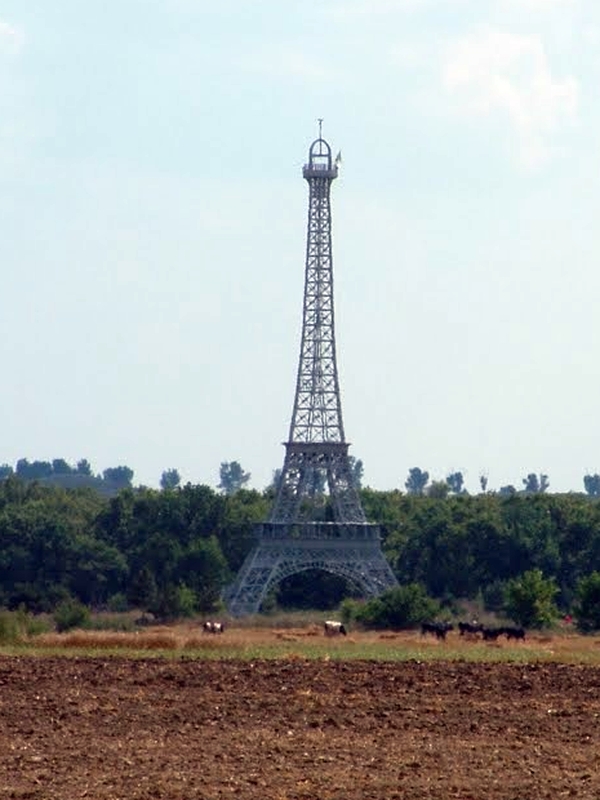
(152, 223)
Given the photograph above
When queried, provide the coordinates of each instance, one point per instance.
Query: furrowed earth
(284, 729)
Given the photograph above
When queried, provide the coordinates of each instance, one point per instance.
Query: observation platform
(320, 163)
(318, 531)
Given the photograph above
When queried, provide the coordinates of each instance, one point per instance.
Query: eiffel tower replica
(305, 530)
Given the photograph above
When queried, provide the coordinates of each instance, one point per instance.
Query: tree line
(418, 482)
(172, 551)
(232, 478)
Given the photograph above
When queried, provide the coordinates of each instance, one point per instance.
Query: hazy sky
(153, 223)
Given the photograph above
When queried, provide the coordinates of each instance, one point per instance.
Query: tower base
(350, 550)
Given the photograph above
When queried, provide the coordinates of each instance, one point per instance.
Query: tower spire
(307, 529)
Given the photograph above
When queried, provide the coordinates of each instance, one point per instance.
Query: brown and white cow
(333, 628)
(213, 627)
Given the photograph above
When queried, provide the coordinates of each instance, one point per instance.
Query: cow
(514, 633)
(470, 627)
(438, 629)
(213, 627)
(333, 628)
(491, 634)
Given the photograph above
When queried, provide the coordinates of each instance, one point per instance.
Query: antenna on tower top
(320, 127)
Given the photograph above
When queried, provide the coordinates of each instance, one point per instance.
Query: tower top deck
(320, 163)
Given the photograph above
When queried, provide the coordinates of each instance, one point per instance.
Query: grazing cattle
(470, 627)
(491, 634)
(438, 629)
(333, 628)
(514, 633)
(213, 627)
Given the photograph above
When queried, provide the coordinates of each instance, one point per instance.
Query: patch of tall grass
(109, 640)
(124, 622)
(18, 626)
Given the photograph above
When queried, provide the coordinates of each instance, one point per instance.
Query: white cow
(333, 628)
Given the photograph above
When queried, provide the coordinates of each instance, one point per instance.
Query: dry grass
(157, 639)
(310, 642)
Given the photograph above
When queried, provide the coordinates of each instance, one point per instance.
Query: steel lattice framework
(300, 533)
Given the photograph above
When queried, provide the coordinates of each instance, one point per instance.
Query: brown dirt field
(290, 729)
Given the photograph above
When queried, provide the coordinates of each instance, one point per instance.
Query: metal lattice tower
(304, 531)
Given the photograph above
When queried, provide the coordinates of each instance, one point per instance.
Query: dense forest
(171, 551)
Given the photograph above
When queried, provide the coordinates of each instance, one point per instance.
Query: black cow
(437, 629)
(470, 627)
(491, 634)
(514, 633)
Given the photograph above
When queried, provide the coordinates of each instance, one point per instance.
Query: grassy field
(306, 641)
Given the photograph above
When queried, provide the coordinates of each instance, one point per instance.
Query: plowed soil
(124, 729)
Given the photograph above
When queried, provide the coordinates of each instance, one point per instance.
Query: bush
(16, 625)
(174, 602)
(529, 600)
(587, 603)
(400, 608)
(71, 614)
(10, 630)
(117, 603)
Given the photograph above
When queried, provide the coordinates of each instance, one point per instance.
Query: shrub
(529, 600)
(71, 614)
(174, 602)
(587, 603)
(16, 625)
(10, 631)
(399, 608)
(117, 603)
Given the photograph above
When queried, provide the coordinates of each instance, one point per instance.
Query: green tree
(96, 570)
(529, 599)
(456, 483)
(5, 471)
(33, 471)
(61, 467)
(203, 570)
(316, 481)
(174, 601)
(592, 485)
(535, 485)
(357, 470)
(232, 477)
(142, 591)
(84, 467)
(170, 479)
(275, 481)
(587, 603)
(438, 490)
(416, 481)
(120, 477)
